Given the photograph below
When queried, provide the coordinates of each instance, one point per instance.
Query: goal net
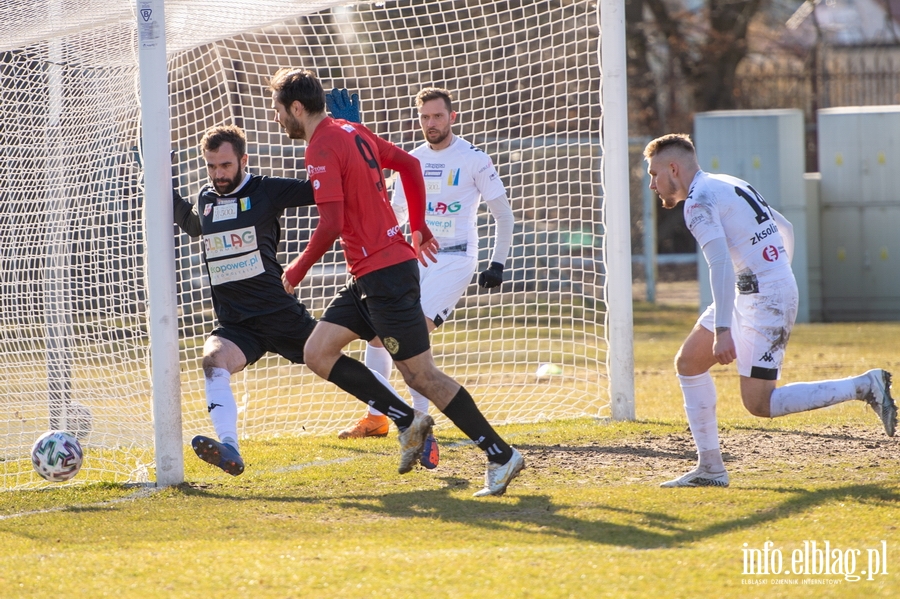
(73, 327)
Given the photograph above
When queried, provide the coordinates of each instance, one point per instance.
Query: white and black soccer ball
(57, 456)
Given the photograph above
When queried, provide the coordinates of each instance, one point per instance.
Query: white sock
(802, 397)
(379, 361)
(221, 405)
(420, 402)
(384, 382)
(700, 406)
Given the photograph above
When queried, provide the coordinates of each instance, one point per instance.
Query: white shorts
(761, 325)
(443, 283)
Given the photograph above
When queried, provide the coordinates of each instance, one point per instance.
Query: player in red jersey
(345, 164)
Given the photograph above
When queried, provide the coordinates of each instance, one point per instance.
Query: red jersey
(344, 161)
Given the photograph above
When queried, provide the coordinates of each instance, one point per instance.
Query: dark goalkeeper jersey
(240, 234)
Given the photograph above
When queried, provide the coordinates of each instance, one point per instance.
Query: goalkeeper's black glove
(342, 105)
(492, 276)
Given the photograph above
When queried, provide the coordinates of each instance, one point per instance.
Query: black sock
(463, 412)
(356, 379)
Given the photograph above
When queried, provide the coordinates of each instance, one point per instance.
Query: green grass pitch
(316, 517)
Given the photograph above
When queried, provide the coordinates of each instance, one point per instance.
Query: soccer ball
(547, 370)
(57, 456)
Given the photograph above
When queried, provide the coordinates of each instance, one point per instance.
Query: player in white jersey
(748, 247)
(458, 176)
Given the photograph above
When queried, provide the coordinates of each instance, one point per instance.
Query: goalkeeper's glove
(492, 276)
(342, 105)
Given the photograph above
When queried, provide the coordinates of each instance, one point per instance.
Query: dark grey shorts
(384, 304)
(284, 332)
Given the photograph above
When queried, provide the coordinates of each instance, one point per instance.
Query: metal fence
(829, 77)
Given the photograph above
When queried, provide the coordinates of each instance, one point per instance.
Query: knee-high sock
(802, 397)
(357, 380)
(379, 360)
(420, 402)
(700, 406)
(221, 405)
(384, 383)
(463, 412)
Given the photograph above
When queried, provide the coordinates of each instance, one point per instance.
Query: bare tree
(682, 62)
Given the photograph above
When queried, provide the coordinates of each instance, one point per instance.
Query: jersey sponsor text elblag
(456, 179)
(240, 236)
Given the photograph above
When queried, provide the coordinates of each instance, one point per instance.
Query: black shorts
(386, 304)
(284, 332)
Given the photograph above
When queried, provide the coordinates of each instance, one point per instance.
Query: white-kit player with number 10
(748, 247)
(458, 176)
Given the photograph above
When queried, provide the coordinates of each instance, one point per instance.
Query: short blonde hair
(679, 141)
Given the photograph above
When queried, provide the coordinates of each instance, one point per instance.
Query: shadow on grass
(798, 502)
(616, 521)
(542, 516)
(535, 515)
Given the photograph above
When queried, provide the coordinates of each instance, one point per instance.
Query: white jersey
(457, 178)
(721, 206)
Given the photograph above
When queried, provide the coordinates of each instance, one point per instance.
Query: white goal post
(95, 281)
